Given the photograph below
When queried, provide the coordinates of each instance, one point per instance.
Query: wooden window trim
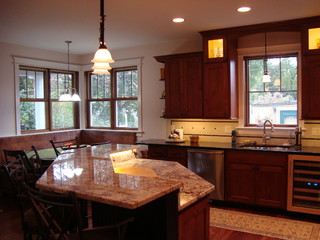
(112, 100)
(47, 98)
(246, 59)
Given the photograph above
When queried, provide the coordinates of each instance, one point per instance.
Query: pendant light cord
(102, 19)
(68, 42)
(265, 54)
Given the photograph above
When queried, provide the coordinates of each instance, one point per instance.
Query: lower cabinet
(170, 153)
(194, 221)
(257, 178)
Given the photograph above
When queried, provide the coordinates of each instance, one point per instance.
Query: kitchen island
(161, 195)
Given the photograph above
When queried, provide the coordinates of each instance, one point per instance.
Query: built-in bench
(42, 140)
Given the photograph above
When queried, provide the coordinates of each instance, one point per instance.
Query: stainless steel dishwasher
(209, 164)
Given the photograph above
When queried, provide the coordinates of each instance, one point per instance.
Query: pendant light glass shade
(101, 68)
(69, 97)
(66, 97)
(266, 78)
(75, 98)
(100, 71)
(102, 56)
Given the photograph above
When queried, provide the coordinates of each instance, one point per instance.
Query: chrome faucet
(265, 137)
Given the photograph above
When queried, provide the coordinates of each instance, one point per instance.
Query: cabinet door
(310, 87)
(173, 88)
(216, 91)
(184, 87)
(240, 183)
(192, 93)
(271, 186)
(194, 221)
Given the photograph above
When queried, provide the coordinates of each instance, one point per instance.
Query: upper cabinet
(204, 85)
(220, 98)
(310, 71)
(183, 85)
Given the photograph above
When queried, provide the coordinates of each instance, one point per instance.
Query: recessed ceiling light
(178, 20)
(244, 9)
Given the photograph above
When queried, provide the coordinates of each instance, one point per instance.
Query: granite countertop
(90, 173)
(228, 146)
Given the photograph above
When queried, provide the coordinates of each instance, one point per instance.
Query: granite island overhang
(98, 181)
(90, 173)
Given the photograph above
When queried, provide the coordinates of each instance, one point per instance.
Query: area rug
(264, 225)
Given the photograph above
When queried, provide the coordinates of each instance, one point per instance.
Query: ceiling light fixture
(68, 96)
(266, 77)
(178, 20)
(244, 9)
(102, 57)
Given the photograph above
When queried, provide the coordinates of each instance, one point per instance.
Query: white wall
(152, 125)
(7, 83)
(152, 105)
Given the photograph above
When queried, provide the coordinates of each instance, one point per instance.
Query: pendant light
(68, 96)
(266, 77)
(102, 57)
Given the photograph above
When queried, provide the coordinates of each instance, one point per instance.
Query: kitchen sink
(266, 147)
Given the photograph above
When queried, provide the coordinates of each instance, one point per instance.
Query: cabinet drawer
(257, 157)
(158, 152)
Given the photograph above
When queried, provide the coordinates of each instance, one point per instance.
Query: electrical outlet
(315, 132)
(227, 129)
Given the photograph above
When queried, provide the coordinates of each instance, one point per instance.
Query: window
(40, 110)
(113, 99)
(277, 100)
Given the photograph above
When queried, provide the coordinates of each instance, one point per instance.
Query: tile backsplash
(220, 131)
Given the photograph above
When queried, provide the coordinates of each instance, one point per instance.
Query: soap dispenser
(233, 137)
(298, 133)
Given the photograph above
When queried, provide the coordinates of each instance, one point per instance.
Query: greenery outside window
(40, 110)
(113, 99)
(274, 100)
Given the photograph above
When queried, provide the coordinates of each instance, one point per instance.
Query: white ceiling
(46, 24)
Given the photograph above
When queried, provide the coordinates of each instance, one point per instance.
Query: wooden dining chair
(59, 146)
(15, 176)
(44, 163)
(61, 217)
(30, 165)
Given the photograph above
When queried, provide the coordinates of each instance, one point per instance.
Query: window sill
(114, 130)
(267, 127)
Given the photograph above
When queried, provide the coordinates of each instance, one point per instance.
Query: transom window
(277, 100)
(39, 91)
(113, 99)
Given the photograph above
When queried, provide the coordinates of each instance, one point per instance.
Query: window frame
(113, 98)
(47, 98)
(247, 107)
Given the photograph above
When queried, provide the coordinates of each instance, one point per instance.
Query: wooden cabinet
(170, 153)
(220, 96)
(258, 178)
(240, 181)
(216, 94)
(310, 72)
(183, 85)
(194, 221)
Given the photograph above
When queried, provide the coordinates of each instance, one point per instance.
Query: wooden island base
(159, 219)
